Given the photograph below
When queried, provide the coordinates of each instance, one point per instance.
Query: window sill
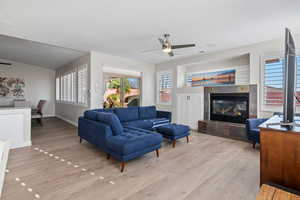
(71, 103)
(164, 104)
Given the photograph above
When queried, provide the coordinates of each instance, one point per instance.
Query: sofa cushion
(144, 124)
(147, 112)
(173, 129)
(133, 141)
(127, 114)
(90, 114)
(110, 110)
(112, 120)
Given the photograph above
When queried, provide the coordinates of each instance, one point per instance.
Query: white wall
(121, 65)
(97, 61)
(40, 84)
(239, 63)
(256, 53)
(67, 111)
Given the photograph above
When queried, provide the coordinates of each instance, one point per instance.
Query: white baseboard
(45, 116)
(67, 120)
(20, 145)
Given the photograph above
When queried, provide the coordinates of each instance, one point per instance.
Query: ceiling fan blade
(171, 54)
(5, 63)
(182, 46)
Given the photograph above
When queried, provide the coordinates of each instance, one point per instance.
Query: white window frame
(68, 87)
(57, 88)
(263, 106)
(69, 95)
(159, 73)
(79, 90)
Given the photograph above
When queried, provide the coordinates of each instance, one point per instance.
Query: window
(121, 91)
(273, 81)
(165, 87)
(82, 84)
(68, 87)
(72, 86)
(57, 90)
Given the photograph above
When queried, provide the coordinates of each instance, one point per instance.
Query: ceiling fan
(5, 63)
(167, 47)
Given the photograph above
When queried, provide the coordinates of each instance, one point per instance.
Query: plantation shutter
(274, 80)
(83, 84)
(165, 86)
(57, 88)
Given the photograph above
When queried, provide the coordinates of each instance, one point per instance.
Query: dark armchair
(37, 113)
(253, 130)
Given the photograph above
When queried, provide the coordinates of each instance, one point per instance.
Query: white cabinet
(15, 126)
(189, 109)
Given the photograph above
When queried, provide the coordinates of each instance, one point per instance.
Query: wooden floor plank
(206, 168)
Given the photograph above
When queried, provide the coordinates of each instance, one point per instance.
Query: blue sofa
(252, 129)
(124, 133)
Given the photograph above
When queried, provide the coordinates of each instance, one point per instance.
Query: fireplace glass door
(230, 107)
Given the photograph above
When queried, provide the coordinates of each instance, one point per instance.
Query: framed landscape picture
(224, 77)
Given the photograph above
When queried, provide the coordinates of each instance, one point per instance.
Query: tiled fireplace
(226, 109)
(229, 107)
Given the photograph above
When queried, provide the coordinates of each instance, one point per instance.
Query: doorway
(122, 91)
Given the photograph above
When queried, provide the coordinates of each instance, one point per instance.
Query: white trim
(20, 145)
(67, 120)
(46, 116)
(115, 70)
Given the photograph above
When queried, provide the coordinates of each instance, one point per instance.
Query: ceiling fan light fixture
(167, 50)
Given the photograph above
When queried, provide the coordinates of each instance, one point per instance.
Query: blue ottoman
(174, 132)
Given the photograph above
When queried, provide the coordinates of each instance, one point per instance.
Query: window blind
(274, 79)
(83, 84)
(57, 88)
(68, 87)
(165, 87)
(165, 80)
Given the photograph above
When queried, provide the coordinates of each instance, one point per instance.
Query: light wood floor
(208, 168)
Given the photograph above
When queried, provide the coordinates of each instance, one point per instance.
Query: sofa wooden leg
(187, 139)
(174, 143)
(107, 156)
(122, 166)
(80, 140)
(253, 145)
(157, 153)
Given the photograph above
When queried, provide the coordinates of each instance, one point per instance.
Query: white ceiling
(34, 53)
(126, 28)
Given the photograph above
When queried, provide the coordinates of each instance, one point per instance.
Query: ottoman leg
(80, 140)
(108, 156)
(157, 153)
(187, 139)
(174, 143)
(122, 166)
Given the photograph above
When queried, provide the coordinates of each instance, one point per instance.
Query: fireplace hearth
(229, 107)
